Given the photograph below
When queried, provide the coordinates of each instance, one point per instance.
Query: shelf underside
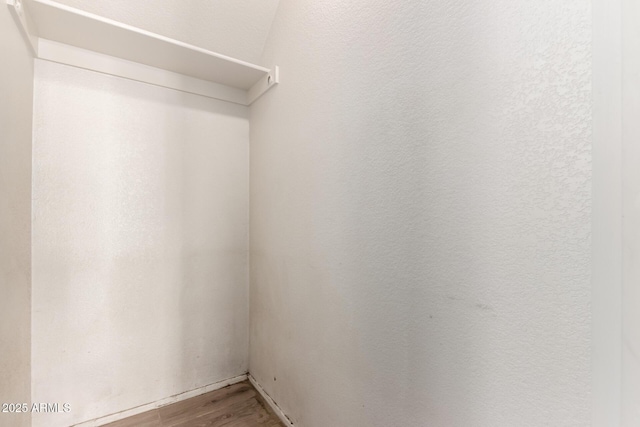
(45, 20)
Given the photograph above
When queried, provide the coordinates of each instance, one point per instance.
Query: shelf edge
(54, 51)
(81, 58)
(146, 33)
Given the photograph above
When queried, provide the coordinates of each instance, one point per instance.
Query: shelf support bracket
(263, 85)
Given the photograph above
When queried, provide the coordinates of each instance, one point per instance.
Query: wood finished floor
(237, 405)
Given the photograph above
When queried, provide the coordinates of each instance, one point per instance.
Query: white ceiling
(237, 28)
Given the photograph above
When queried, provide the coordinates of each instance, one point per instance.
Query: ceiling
(237, 28)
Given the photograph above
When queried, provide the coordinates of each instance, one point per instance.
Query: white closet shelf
(66, 35)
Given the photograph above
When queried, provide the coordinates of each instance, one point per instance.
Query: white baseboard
(163, 402)
(283, 417)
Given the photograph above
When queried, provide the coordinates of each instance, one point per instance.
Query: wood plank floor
(237, 405)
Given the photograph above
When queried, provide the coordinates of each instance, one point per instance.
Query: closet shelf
(63, 34)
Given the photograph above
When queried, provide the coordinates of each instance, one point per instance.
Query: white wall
(16, 95)
(140, 242)
(421, 212)
(631, 213)
(606, 222)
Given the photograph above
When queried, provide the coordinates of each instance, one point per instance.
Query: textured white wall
(237, 28)
(140, 234)
(606, 213)
(631, 213)
(16, 95)
(420, 214)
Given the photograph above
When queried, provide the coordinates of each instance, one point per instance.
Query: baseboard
(163, 402)
(283, 417)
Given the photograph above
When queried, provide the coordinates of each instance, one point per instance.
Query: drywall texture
(140, 242)
(606, 213)
(237, 28)
(16, 95)
(420, 214)
(631, 214)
